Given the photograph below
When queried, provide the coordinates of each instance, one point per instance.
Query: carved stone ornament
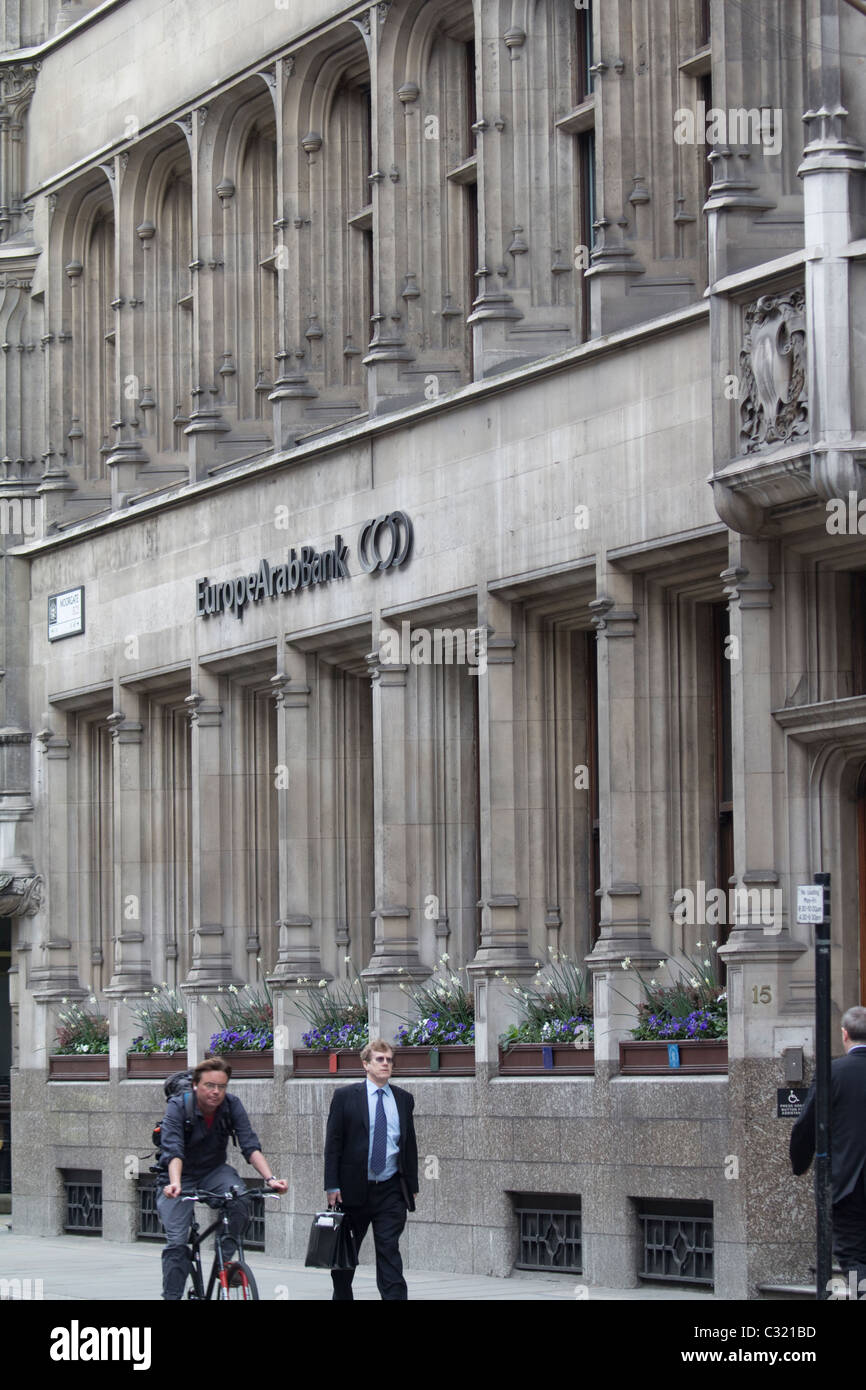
(773, 407)
(20, 895)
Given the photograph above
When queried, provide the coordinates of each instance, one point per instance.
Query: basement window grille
(549, 1232)
(677, 1245)
(83, 1191)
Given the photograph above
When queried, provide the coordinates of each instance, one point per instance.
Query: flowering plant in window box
(162, 1018)
(445, 1008)
(556, 1033)
(681, 1026)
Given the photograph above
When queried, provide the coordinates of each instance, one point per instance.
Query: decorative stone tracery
(773, 404)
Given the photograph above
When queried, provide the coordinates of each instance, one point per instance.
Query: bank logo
(385, 542)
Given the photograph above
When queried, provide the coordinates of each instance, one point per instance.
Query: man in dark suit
(371, 1166)
(847, 1144)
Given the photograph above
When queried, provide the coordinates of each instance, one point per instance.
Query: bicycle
(229, 1279)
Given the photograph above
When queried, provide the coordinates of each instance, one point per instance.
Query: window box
(78, 1066)
(453, 1059)
(650, 1057)
(250, 1064)
(154, 1065)
(541, 1059)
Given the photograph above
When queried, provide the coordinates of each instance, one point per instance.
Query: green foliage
(556, 1008)
(693, 1006)
(81, 1030)
(445, 1008)
(161, 1016)
(337, 1013)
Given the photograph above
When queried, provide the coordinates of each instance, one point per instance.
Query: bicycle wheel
(239, 1283)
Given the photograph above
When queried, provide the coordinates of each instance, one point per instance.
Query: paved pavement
(75, 1268)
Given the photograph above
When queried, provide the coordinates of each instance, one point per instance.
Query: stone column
(131, 967)
(211, 964)
(388, 348)
(504, 947)
(206, 423)
(299, 946)
(395, 956)
(54, 963)
(622, 785)
(127, 453)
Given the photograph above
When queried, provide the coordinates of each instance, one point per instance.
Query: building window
(82, 1189)
(586, 217)
(583, 59)
(677, 1245)
(549, 1232)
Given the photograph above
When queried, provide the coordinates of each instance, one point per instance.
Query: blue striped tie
(380, 1135)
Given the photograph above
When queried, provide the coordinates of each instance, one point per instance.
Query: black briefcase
(332, 1242)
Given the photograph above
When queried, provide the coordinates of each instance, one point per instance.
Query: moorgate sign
(385, 543)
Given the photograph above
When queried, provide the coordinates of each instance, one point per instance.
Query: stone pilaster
(54, 962)
(395, 958)
(211, 963)
(832, 171)
(131, 967)
(127, 453)
(504, 948)
(625, 937)
(206, 423)
(759, 951)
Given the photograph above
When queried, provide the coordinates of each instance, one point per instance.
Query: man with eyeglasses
(193, 1140)
(371, 1166)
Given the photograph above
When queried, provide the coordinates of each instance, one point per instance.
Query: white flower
(706, 962)
(714, 943)
(697, 943)
(322, 984)
(693, 982)
(233, 989)
(626, 962)
(652, 982)
(92, 999)
(204, 997)
(348, 960)
(445, 956)
(515, 990)
(164, 985)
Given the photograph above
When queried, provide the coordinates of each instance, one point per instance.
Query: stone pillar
(131, 967)
(54, 963)
(395, 956)
(388, 347)
(494, 308)
(623, 772)
(504, 947)
(211, 955)
(833, 185)
(760, 953)
(127, 454)
(206, 423)
(299, 946)
(292, 387)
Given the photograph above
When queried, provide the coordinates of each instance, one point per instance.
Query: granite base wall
(612, 1140)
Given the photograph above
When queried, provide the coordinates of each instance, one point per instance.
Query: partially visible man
(847, 1144)
(371, 1166)
(196, 1162)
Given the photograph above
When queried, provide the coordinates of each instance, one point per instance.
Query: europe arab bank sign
(385, 542)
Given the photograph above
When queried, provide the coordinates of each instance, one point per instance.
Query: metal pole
(823, 1191)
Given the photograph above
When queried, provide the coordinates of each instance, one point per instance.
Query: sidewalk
(73, 1268)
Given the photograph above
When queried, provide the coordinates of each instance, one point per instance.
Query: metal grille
(549, 1234)
(677, 1244)
(149, 1224)
(83, 1201)
(255, 1236)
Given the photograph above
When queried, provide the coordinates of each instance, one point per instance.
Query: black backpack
(180, 1083)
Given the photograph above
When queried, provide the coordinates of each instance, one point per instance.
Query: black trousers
(849, 1233)
(385, 1211)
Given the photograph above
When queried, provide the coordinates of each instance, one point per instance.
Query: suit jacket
(347, 1144)
(847, 1125)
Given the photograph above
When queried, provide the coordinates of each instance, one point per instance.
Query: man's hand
(334, 1198)
(277, 1184)
(171, 1189)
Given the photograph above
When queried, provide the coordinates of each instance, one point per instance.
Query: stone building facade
(325, 325)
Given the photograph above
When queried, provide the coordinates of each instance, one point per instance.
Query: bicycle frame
(197, 1239)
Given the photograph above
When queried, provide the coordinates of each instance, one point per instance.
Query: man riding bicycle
(193, 1158)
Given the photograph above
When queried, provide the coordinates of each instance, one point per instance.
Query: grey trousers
(176, 1217)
